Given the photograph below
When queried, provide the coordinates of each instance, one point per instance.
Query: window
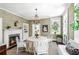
(55, 25)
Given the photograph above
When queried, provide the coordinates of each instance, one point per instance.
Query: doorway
(35, 27)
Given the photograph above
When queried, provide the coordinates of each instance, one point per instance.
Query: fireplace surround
(12, 40)
(11, 34)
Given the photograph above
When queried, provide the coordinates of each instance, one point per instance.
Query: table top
(2, 44)
(40, 38)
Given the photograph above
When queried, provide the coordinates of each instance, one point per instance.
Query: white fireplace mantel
(11, 32)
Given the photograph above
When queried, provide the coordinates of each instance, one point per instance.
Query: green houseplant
(75, 24)
(59, 38)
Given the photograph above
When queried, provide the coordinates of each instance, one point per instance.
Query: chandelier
(36, 17)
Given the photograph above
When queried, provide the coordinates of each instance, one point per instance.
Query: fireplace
(12, 40)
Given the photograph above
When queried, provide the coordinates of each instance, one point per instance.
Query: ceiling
(27, 10)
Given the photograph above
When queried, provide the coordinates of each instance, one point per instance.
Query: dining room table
(38, 45)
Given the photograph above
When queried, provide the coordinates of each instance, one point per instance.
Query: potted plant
(59, 38)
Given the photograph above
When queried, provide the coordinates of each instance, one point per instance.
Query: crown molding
(12, 13)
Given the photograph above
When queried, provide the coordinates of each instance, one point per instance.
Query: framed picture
(44, 28)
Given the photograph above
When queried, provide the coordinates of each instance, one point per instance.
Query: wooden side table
(2, 49)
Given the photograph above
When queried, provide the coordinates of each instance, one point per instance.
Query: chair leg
(17, 51)
(34, 53)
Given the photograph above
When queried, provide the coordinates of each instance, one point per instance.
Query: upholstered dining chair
(41, 47)
(30, 47)
(20, 44)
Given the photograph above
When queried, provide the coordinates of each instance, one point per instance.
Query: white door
(35, 27)
(25, 31)
(1, 35)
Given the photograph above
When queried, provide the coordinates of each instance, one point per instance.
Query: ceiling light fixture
(36, 17)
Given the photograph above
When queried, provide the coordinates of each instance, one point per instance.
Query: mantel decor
(15, 23)
(8, 27)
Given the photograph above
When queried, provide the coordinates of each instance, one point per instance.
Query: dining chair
(30, 47)
(41, 47)
(20, 44)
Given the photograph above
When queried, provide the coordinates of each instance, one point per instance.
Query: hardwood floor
(52, 50)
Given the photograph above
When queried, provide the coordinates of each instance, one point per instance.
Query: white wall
(9, 19)
(76, 35)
